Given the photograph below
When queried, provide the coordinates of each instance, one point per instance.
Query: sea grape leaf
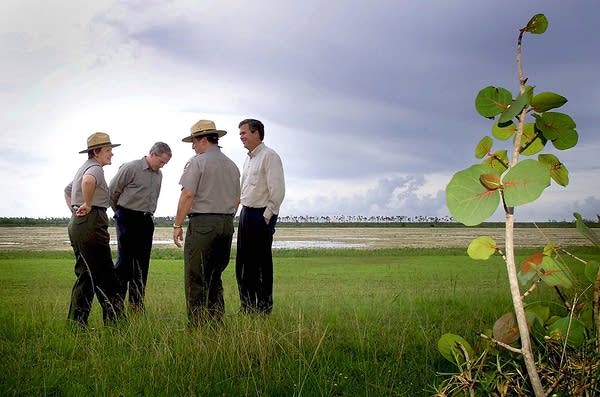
(535, 144)
(514, 108)
(483, 147)
(525, 182)
(541, 310)
(467, 199)
(448, 346)
(491, 101)
(545, 101)
(553, 318)
(566, 140)
(503, 131)
(490, 180)
(553, 275)
(550, 249)
(568, 329)
(506, 329)
(497, 161)
(586, 315)
(537, 24)
(591, 270)
(554, 124)
(585, 230)
(558, 171)
(536, 323)
(525, 278)
(482, 248)
(529, 92)
(532, 262)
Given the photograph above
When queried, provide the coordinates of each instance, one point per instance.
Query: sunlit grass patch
(351, 323)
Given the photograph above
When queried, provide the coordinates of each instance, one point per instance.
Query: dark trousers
(206, 255)
(254, 261)
(135, 230)
(94, 269)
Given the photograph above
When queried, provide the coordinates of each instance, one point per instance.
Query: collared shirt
(135, 186)
(215, 181)
(263, 183)
(74, 190)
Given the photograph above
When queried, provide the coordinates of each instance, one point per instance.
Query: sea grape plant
(525, 125)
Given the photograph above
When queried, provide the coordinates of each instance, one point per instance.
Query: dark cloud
(377, 93)
(381, 88)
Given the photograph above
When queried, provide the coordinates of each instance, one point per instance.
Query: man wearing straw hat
(87, 198)
(209, 197)
(134, 192)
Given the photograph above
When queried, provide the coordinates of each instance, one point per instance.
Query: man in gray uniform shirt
(134, 192)
(209, 197)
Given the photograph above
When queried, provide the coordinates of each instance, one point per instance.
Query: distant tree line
(24, 221)
(308, 220)
(365, 219)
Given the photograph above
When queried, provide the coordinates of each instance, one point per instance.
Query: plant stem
(596, 309)
(515, 292)
(526, 350)
(497, 342)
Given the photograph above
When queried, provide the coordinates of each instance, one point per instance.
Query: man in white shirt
(263, 190)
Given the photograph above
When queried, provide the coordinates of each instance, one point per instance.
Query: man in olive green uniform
(87, 197)
(209, 197)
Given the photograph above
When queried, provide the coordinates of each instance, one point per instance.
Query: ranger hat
(98, 140)
(203, 127)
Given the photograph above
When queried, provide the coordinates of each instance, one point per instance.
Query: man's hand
(183, 208)
(83, 210)
(178, 236)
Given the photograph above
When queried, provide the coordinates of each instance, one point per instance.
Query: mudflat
(56, 238)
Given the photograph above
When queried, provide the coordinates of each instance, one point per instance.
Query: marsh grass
(345, 323)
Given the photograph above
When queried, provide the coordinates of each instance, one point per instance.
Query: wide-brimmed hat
(203, 127)
(98, 140)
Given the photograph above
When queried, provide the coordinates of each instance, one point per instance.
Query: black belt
(193, 214)
(135, 212)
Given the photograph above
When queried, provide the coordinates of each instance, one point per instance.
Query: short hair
(254, 125)
(160, 148)
(93, 152)
(211, 138)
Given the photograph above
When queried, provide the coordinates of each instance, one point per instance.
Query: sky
(370, 104)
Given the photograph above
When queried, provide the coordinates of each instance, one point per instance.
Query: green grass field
(345, 323)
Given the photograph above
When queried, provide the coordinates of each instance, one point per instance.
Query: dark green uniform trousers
(94, 269)
(206, 255)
